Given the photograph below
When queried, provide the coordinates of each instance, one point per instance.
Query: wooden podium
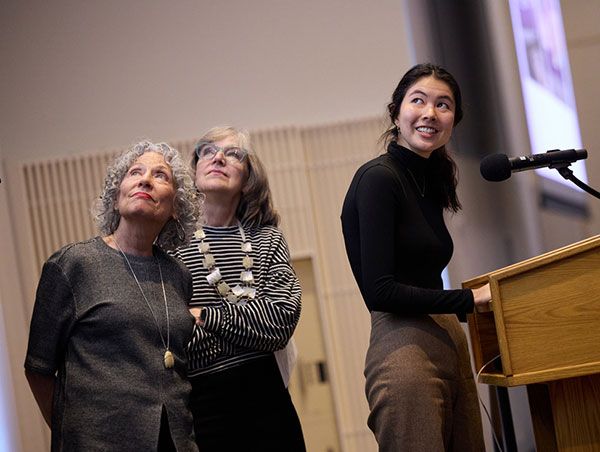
(543, 330)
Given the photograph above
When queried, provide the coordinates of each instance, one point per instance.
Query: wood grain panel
(576, 410)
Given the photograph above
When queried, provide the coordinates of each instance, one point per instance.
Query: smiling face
(220, 176)
(426, 116)
(147, 191)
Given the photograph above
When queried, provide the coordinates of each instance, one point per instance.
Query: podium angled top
(544, 322)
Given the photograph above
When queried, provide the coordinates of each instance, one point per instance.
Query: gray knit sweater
(92, 327)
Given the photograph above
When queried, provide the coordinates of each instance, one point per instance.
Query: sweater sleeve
(267, 322)
(379, 195)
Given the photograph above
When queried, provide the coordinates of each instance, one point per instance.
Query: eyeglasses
(207, 151)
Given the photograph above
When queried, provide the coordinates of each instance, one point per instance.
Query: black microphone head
(495, 167)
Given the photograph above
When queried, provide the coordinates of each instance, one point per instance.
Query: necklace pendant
(250, 292)
(223, 288)
(248, 262)
(421, 192)
(208, 261)
(213, 277)
(169, 360)
(238, 290)
(246, 277)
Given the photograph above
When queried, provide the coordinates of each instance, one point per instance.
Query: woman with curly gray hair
(178, 230)
(106, 359)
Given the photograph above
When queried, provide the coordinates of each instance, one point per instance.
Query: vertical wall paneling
(72, 181)
(18, 286)
(67, 226)
(35, 224)
(334, 153)
(47, 201)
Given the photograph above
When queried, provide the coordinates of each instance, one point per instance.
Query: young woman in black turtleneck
(419, 383)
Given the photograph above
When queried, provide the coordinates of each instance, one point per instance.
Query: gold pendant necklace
(168, 358)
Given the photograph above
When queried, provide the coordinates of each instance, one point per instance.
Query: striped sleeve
(268, 322)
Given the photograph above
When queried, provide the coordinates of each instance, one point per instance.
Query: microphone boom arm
(564, 170)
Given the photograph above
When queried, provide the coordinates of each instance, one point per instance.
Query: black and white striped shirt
(232, 333)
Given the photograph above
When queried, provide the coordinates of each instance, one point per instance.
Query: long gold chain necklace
(240, 292)
(168, 356)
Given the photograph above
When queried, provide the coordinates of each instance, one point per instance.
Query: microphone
(499, 167)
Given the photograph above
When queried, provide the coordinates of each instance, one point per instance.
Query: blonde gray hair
(256, 204)
(187, 202)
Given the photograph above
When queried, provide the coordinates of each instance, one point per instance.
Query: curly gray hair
(186, 202)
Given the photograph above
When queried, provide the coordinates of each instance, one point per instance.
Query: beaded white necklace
(242, 292)
(168, 356)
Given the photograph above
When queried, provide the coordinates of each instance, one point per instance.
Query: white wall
(86, 75)
(583, 40)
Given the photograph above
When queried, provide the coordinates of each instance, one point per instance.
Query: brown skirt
(420, 386)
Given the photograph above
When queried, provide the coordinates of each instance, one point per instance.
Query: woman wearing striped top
(246, 301)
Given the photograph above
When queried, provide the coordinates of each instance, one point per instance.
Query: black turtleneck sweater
(396, 238)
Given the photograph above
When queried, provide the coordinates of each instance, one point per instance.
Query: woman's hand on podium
(482, 297)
